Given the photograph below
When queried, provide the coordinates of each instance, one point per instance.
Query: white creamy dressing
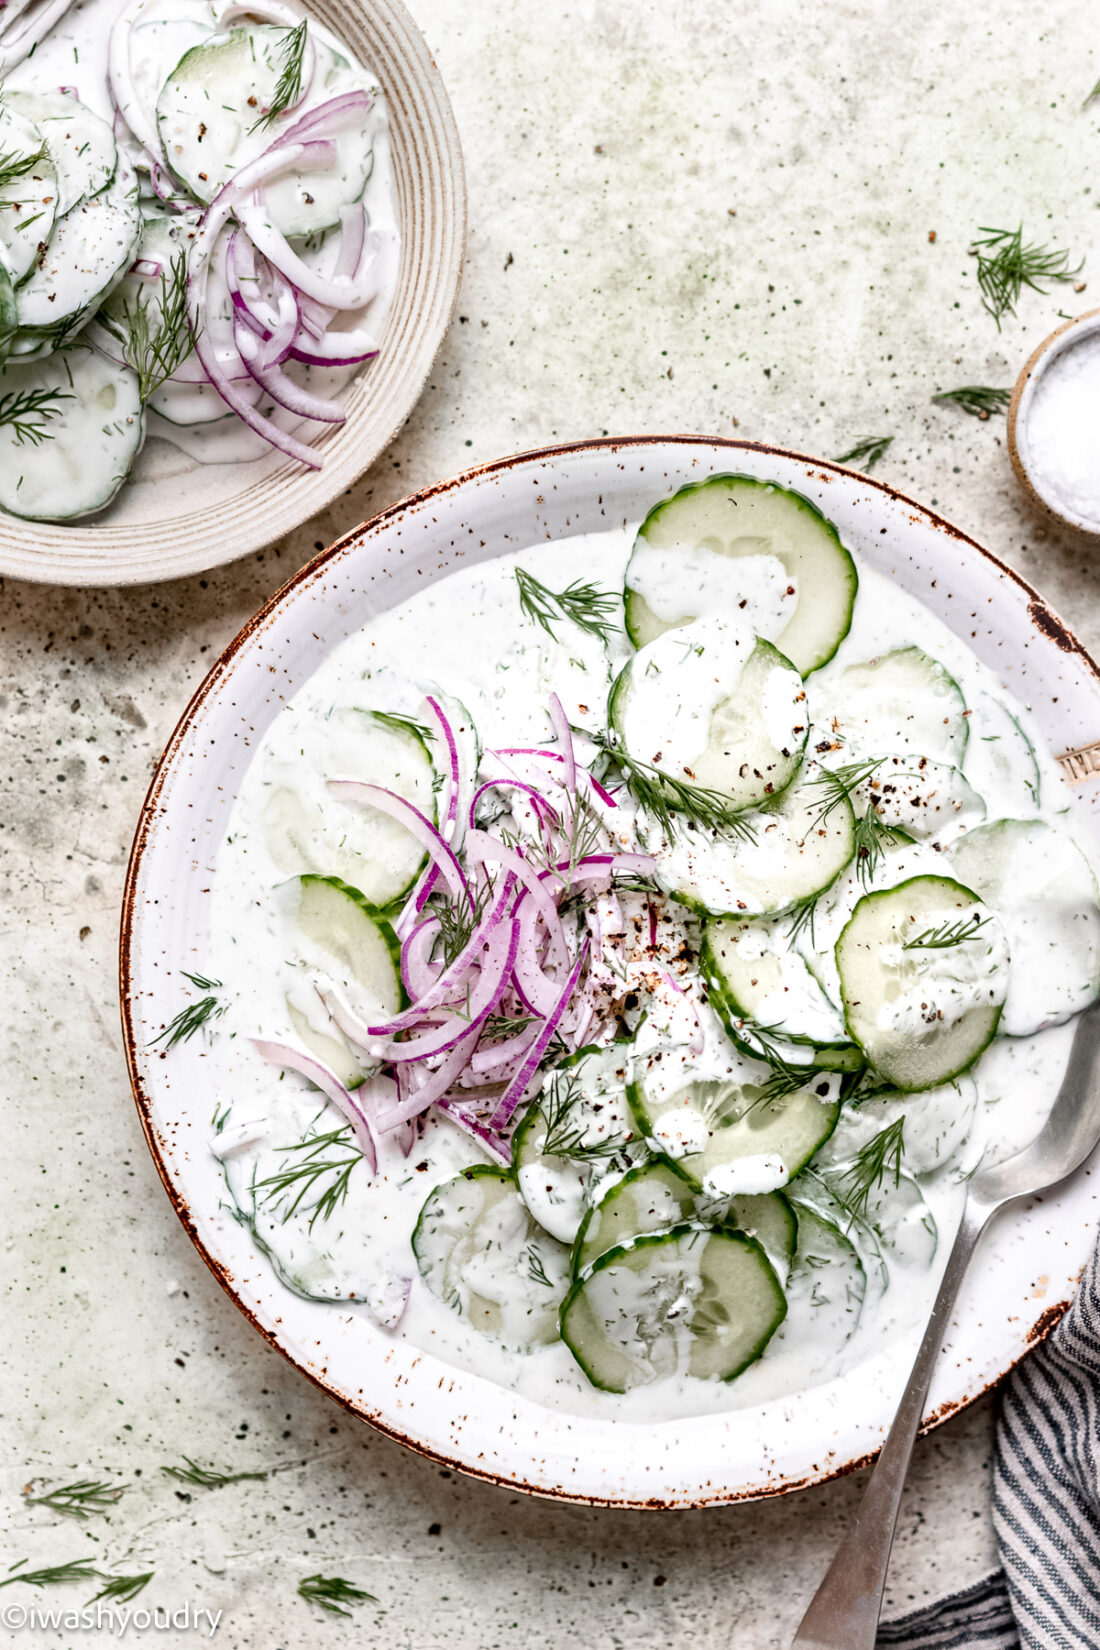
(193, 417)
(466, 635)
(758, 590)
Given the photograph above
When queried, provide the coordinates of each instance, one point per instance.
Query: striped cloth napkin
(1046, 1507)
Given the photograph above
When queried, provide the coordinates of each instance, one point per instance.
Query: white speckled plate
(1029, 1264)
(175, 516)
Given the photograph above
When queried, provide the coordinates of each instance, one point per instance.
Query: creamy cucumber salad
(623, 952)
(197, 242)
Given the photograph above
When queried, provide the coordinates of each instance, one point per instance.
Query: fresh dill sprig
(1006, 265)
(28, 413)
(801, 916)
(867, 452)
(874, 1165)
(288, 87)
(1094, 93)
(80, 1569)
(155, 343)
(195, 1015)
(670, 800)
(787, 1077)
(499, 1027)
(457, 920)
(588, 606)
(536, 1268)
(403, 724)
(301, 1177)
(838, 785)
(14, 166)
(123, 1588)
(977, 399)
(81, 1499)
(331, 1593)
(948, 934)
(206, 1477)
(565, 1132)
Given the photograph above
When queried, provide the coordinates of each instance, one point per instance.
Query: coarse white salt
(1063, 432)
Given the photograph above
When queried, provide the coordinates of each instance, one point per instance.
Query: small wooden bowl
(174, 516)
(1023, 395)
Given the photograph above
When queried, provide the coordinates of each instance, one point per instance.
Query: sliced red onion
(350, 293)
(564, 734)
(500, 955)
(418, 974)
(698, 1040)
(473, 1126)
(448, 982)
(345, 110)
(278, 159)
(418, 1087)
(336, 349)
(416, 823)
(294, 1059)
(482, 849)
(506, 751)
(150, 268)
(494, 1056)
(537, 991)
(517, 1088)
(543, 811)
(281, 388)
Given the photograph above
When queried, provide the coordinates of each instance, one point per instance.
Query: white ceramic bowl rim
(1031, 1262)
(1047, 360)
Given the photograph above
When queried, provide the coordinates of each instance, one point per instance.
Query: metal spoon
(845, 1610)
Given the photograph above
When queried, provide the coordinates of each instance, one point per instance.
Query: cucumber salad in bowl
(625, 949)
(197, 243)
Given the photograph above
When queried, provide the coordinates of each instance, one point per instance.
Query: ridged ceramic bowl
(175, 516)
(1028, 1264)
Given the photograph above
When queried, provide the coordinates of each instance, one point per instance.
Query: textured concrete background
(691, 217)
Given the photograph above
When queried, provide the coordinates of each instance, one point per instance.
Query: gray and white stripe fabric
(1046, 1507)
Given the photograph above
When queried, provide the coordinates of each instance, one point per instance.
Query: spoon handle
(845, 1609)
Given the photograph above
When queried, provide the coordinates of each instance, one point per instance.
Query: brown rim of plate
(1019, 469)
(1044, 619)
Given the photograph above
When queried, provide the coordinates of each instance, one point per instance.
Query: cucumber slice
(28, 204)
(903, 1223)
(590, 1118)
(653, 1197)
(80, 145)
(8, 318)
(754, 974)
(727, 1137)
(826, 1290)
(924, 799)
(936, 1124)
(480, 1252)
(308, 829)
(713, 705)
(337, 939)
(687, 1302)
(749, 549)
(1044, 891)
(1000, 758)
(88, 250)
(209, 115)
(902, 701)
(85, 447)
(922, 1014)
(793, 854)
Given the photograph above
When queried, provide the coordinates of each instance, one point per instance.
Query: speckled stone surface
(688, 217)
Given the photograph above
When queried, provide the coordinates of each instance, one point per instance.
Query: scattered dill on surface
(332, 1593)
(1006, 264)
(977, 399)
(81, 1499)
(303, 1176)
(866, 452)
(196, 1015)
(206, 1477)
